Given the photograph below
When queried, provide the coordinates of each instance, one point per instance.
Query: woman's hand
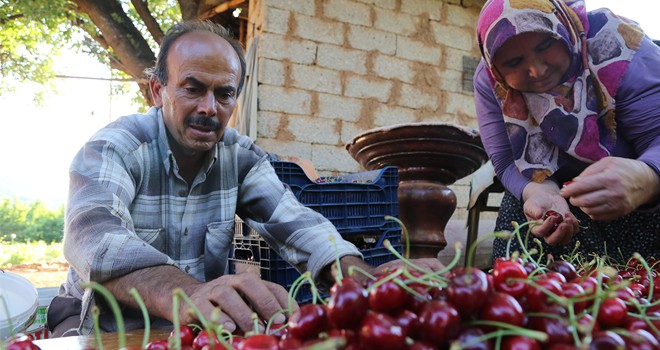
(541, 199)
(613, 187)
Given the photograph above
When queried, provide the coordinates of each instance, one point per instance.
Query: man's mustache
(202, 121)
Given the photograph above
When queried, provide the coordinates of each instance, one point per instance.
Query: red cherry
(259, 342)
(439, 322)
(502, 307)
(519, 342)
(612, 312)
(347, 305)
(640, 339)
(537, 298)
(158, 344)
(575, 293)
(607, 340)
(308, 321)
(505, 275)
(564, 267)
(557, 329)
(387, 296)
(380, 331)
(202, 339)
(468, 290)
(186, 334)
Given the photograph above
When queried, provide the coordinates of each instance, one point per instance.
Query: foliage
(31, 222)
(33, 33)
(21, 253)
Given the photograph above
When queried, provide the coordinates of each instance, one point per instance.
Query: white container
(38, 328)
(18, 303)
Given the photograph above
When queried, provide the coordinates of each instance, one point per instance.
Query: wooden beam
(221, 8)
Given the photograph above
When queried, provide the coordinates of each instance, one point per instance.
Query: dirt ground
(42, 275)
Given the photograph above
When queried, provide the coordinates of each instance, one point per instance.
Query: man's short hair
(159, 71)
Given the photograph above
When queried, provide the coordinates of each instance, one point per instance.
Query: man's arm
(237, 296)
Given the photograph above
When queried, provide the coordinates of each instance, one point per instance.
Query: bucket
(38, 328)
(18, 303)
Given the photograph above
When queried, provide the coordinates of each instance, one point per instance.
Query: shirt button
(182, 193)
(185, 232)
(187, 269)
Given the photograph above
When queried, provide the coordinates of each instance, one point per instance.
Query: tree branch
(149, 21)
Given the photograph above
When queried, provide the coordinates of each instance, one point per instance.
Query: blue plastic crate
(356, 201)
(252, 254)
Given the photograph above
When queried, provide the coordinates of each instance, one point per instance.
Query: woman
(568, 104)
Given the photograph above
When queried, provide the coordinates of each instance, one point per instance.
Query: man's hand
(237, 296)
(613, 187)
(428, 264)
(539, 199)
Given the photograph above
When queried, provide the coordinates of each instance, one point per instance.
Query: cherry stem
(530, 333)
(330, 343)
(404, 232)
(145, 315)
(340, 273)
(352, 269)
(472, 249)
(97, 328)
(175, 342)
(180, 293)
(116, 311)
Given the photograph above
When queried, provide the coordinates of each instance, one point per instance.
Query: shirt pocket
(154, 236)
(219, 237)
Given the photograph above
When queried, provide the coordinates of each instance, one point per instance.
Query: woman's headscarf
(576, 117)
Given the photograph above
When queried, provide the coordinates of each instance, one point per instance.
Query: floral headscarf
(576, 117)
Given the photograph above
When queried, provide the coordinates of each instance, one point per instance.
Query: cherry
(519, 342)
(575, 291)
(640, 339)
(186, 334)
(347, 305)
(612, 312)
(468, 290)
(502, 307)
(259, 342)
(408, 321)
(290, 343)
(606, 340)
(158, 344)
(21, 341)
(467, 339)
(308, 321)
(537, 298)
(380, 331)
(564, 267)
(387, 296)
(202, 339)
(553, 217)
(439, 322)
(504, 275)
(557, 329)
(420, 345)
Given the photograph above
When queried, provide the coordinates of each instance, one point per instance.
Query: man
(153, 196)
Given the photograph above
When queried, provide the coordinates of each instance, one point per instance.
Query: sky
(37, 143)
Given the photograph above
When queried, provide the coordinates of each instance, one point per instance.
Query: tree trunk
(128, 50)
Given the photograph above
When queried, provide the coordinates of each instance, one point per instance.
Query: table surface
(110, 340)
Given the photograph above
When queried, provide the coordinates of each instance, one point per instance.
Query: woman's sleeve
(638, 104)
(494, 135)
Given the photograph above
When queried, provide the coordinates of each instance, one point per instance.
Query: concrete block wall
(332, 69)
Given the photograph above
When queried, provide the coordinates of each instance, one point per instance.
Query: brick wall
(331, 69)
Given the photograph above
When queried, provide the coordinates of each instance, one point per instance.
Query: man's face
(532, 62)
(203, 76)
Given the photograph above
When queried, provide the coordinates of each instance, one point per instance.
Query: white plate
(19, 301)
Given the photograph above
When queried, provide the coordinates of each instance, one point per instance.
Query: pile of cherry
(517, 305)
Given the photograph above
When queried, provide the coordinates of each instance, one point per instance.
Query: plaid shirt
(125, 191)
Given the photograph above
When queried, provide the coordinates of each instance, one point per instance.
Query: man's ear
(156, 88)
